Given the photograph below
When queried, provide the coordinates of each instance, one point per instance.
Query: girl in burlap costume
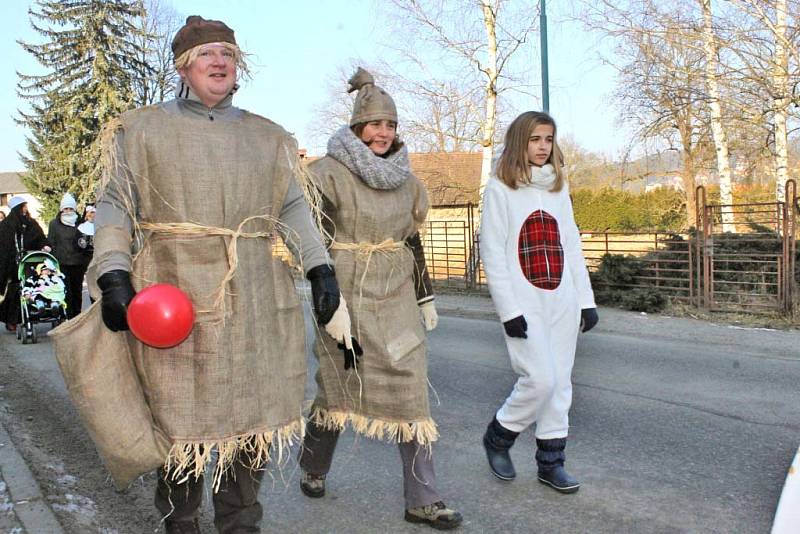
(373, 206)
(195, 190)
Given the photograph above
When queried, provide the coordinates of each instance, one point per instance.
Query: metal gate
(451, 247)
(753, 268)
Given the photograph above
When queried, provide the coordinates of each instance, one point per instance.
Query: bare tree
(585, 169)
(660, 84)
(479, 38)
(443, 118)
(158, 26)
(766, 45)
(435, 116)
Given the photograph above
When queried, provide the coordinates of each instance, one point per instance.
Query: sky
(297, 48)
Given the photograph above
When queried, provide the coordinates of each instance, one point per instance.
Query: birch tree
(768, 51)
(715, 108)
(780, 80)
(489, 8)
(481, 37)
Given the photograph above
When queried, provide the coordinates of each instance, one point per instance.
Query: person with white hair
(63, 236)
(194, 192)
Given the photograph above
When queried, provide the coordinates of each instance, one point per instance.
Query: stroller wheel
(32, 333)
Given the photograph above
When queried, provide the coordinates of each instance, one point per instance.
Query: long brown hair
(396, 145)
(513, 168)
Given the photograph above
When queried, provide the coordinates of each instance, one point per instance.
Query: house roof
(11, 182)
(451, 177)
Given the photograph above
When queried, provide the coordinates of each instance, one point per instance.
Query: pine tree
(89, 55)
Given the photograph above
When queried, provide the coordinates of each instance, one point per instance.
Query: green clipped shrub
(622, 211)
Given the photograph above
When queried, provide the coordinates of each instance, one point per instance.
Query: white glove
(429, 316)
(339, 325)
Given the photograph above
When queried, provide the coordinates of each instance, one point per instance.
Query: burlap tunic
(238, 380)
(388, 396)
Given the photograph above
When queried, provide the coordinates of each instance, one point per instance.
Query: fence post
(655, 249)
(789, 245)
(699, 233)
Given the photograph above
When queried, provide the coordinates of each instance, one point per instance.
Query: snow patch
(77, 504)
(6, 506)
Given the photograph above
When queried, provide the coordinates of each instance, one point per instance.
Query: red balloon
(161, 316)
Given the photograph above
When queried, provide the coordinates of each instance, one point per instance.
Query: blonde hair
(513, 168)
(239, 57)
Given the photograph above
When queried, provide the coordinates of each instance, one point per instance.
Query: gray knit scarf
(377, 172)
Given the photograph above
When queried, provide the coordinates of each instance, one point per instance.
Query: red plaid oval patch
(539, 249)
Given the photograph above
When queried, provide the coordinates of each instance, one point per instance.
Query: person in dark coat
(19, 233)
(63, 236)
(85, 233)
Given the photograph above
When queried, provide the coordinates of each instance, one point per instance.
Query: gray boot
(550, 459)
(497, 441)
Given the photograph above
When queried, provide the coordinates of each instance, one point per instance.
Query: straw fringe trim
(423, 432)
(190, 459)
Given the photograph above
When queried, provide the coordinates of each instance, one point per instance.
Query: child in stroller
(44, 290)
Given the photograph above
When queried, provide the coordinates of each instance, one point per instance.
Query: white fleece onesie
(532, 256)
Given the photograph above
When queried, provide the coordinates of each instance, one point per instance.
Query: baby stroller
(54, 313)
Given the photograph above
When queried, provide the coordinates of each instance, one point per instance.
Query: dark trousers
(74, 281)
(236, 506)
(419, 479)
(10, 308)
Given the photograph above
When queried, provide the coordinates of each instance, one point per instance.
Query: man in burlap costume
(195, 190)
(374, 205)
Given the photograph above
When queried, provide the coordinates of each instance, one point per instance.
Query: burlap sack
(104, 386)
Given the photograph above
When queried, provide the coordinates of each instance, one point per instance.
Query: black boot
(497, 441)
(550, 459)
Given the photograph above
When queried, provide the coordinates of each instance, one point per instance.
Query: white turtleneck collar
(543, 177)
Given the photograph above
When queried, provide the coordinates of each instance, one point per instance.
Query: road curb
(31, 509)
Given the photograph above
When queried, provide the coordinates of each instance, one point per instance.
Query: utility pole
(543, 41)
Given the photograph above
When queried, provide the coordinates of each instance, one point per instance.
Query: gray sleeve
(299, 232)
(117, 203)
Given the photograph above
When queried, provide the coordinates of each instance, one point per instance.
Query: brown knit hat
(197, 31)
(372, 102)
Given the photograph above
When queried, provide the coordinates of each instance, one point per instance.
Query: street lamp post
(543, 41)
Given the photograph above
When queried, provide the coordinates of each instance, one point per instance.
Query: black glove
(516, 327)
(351, 357)
(589, 318)
(324, 292)
(117, 294)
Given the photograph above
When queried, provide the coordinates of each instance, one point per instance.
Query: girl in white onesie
(531, 252)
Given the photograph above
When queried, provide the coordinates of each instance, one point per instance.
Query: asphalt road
(677, 426)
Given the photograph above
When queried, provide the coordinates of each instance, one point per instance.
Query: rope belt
(367, 249)
(198, 230)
